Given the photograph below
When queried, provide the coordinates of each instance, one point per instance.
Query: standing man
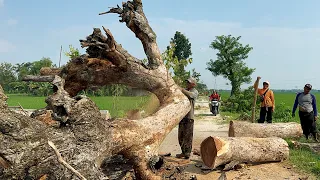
(266, 98)
(307, 111)
(185, 130)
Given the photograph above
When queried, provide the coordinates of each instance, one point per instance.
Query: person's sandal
(185, 156)
(180, 156)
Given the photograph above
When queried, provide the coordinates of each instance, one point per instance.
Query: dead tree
(85, 140)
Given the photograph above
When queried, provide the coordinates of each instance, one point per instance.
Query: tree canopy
(177, 57)
(11, 77)
(230, 61)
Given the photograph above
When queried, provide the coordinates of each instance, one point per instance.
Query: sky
(285, 35)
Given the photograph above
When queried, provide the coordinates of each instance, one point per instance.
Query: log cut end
(210, 148)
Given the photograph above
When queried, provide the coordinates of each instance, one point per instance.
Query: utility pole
(60, 56)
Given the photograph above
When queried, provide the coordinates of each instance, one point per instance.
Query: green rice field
(116, 105)
(280, 97)
(106, 102)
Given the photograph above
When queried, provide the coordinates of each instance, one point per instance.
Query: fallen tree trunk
(3, 99)
(84, 139)
(259, 130)
(216, 151)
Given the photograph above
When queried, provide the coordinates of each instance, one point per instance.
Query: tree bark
(84, 139)
(3, 99)
(216, 151)
(235, 87)
(258, 130)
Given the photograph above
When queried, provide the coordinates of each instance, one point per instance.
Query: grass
(229, 116)
(303, 158)
(117, 106)
(27, 102)
(280, 97)
(287, 98)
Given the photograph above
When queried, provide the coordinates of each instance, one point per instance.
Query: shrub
(282, 113)
(240, 103)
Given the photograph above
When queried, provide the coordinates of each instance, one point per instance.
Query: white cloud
(12, 22)
(6, 46)
(1, 3)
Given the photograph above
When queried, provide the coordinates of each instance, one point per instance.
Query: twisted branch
(132, 14)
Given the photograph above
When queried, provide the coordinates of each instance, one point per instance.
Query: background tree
(31, 68)
(230, 61)
(7, 75)
(195, 74)
(182, 46)
(201, 86)
(177, 57)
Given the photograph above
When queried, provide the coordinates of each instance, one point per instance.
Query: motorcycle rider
(216, 96)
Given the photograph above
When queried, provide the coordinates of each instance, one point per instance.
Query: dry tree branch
(132, 14)
(63, 162)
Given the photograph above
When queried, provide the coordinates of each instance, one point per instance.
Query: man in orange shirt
(266, 98)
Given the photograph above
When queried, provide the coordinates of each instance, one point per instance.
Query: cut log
(216, 151)
(259, 130)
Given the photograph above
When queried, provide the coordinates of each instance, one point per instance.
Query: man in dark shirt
(307, 111)
(185, 130)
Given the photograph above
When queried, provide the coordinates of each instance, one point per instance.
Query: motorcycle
(214, 104)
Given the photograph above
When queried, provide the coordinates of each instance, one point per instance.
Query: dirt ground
(208, 125)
